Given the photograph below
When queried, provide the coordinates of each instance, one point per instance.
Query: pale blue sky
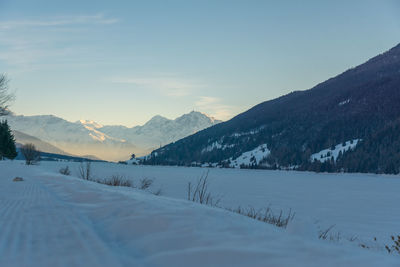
(122, 62)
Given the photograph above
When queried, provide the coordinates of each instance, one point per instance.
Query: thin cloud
(170, 86)
(58, 21)
(27, 43)
(214, 107)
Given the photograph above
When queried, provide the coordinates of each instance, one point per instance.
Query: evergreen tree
(7, 142)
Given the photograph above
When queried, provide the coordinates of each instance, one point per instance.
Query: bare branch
(31, 155)
(5, 96)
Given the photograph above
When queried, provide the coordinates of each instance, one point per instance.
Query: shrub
(117, 180)
(65, 171)
(18, 179)
(145, 183)
(85, 170)
(31, 155)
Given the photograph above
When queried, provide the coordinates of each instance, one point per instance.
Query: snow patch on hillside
(344, 102)
(251, 132)
(251, 157)
(328, 153)
(216, 145)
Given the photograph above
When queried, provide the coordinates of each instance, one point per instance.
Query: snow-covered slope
(113, 143)
(251, 157)
(54, 220)
(329, 153)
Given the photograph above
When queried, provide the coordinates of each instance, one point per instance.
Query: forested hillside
(359, 104)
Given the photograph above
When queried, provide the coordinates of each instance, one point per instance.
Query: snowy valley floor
(55, 220)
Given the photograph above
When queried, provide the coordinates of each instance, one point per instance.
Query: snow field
(50, 219)
(359, 205)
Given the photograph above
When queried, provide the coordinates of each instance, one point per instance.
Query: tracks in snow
(38, 228)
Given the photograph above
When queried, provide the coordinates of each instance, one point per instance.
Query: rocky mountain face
(358, 106)
(112, 143)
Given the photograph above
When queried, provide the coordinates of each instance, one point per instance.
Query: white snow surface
(250, 157)
(55, 220)
(328, 153)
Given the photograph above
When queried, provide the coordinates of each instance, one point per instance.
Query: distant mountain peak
(111, 142)
(196, 115)
(157, 119)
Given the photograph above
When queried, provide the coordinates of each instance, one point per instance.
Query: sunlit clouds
(214, 106)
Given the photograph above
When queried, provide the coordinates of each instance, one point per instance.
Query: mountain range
(350, 122)
(89, 139)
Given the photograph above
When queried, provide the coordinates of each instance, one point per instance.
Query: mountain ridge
(113, 143)
(353, 105)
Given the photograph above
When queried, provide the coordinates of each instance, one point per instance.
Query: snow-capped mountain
(160, 131)
(112, 143)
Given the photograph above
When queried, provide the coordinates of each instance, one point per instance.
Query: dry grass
(85, 173)
(266, 215)
(395, 247)
(116, 180)
(200, 192)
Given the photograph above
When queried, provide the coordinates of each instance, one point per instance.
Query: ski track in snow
(36, 220)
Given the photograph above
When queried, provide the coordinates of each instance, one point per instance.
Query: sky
(123, 62)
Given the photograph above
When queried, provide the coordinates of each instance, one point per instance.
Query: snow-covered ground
(55, 220)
